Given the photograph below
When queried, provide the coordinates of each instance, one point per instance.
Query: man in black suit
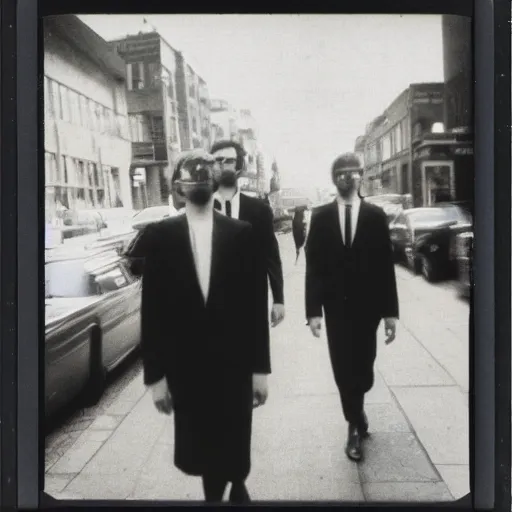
(229, 157)
(350, 275)
(202, 325)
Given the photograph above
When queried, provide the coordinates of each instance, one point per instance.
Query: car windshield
(153, 213)
(67, 278)
(385, 199)
(422, 215)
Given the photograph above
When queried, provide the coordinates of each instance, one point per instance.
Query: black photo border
(490, 405)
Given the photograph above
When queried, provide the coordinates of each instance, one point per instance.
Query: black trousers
(352, 403)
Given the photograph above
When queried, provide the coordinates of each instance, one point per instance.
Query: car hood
(58, 308)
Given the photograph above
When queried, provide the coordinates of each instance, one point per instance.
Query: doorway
(438, 182)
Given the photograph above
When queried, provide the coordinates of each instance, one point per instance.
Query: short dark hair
(177, 166)
(240, 151)
(346, 161)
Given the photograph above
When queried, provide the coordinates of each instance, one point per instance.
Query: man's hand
(162, 397)
(277, 315)
(259, 389)
(315, 324)
(390, 330)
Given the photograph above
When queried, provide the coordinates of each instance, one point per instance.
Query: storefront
(443, 169)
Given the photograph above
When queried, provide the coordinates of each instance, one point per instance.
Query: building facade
(86, 128)
(152, 74)
(390, 140)
(224, 121)
(254, 175)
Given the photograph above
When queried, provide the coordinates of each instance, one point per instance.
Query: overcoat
(355, 287)
(260, 216)
(207, 350)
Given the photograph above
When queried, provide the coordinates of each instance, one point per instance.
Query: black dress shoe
(353, 447)
(363, 427)
(239, 493)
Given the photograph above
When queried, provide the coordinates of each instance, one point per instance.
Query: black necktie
(217, 205)
(228, 208)
(348, 225)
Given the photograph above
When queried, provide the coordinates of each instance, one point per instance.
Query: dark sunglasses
(339, 173)
(225, 160)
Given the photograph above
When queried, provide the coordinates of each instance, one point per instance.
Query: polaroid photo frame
(22, 230)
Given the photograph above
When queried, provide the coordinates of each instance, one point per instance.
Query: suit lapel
(189, 265)
(334, 212)
(242, 207)
(219, 243)
(361, 222)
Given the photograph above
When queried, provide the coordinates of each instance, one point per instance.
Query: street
(418, 414)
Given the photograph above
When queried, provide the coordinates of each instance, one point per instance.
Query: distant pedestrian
(350, 277)
(229, 164)
(203, 320)
(299, 230)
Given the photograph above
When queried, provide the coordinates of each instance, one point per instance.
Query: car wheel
(97, 373)
(427, 269)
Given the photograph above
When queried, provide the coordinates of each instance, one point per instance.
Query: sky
(312, 82)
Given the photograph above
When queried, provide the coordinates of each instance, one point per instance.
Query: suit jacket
(358, 281)
(260, 216)
(355, 287)
(207, 350)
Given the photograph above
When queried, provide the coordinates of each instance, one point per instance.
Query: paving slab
(406, 363)
(130, 445)
(440, 418)
(379, 394)
(456, 479)
(76, 458)
(395, 457)
(106, 422)
(386, 418)
(448, 349)
(411, 492)
(56, 483)
(171, 483)
(98, 487)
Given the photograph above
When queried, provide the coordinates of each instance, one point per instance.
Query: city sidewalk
(418, 414)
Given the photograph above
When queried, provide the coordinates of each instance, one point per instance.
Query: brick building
(86, 137)
(169, 111)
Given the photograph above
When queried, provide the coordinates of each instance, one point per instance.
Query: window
(170, 87)
(405, 133)
(135, 75)
(48, 108)
(154, 73)
(50, 168)
(64, 103)
(386, 147)
(55, 96)
(398, 137)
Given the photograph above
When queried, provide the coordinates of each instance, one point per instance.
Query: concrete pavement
(418, 415)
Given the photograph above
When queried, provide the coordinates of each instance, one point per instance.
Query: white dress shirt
(356, 204)
(235, 204)
(201, 231)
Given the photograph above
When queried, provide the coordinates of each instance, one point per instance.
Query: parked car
(464, 251)
(425, 238)
(81, 222)
(392, 204)
(92, 322)
(149, 215)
